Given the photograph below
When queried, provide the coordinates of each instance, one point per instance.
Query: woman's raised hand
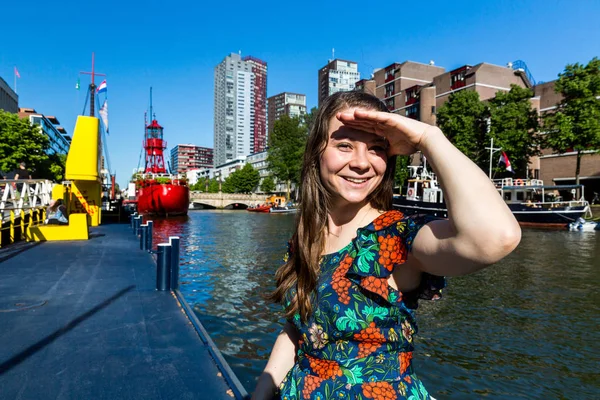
(405, 135)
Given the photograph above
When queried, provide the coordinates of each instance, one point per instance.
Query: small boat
(263, 208)
(581, 225)
(283, 210)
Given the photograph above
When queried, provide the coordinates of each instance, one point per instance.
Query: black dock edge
(232, 380)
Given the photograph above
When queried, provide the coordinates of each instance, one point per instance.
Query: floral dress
(358, 342)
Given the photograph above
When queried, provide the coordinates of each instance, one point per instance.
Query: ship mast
(154, 145)
(92, 87)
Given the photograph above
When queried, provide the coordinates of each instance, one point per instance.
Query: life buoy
(410, 192)
(425, 184)
(519, 182)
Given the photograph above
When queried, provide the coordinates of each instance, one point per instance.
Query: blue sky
(174, 47)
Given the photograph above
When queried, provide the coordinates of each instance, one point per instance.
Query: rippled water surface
(526, 328)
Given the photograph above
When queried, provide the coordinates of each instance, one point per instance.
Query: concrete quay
(83, 320)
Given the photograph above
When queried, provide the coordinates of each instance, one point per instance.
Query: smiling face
(353, 164)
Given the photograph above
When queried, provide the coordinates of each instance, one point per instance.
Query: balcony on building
(457, 77)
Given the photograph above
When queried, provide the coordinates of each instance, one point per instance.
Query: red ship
(158, 192)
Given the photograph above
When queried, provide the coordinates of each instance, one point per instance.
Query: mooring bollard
(163, 266)
(149, 236)
(143, 236)
(174, 241)
(136, 227)
(133, 217)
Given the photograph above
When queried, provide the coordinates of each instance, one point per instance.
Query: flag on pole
(17, 73)
(504, 160)
(104, 114)
(101, 87)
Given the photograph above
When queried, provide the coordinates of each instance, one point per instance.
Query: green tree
(575, 125)
(308, 119)
(20, 141)
(286, 150)
(402, 173)
(268, 184)
(244, 180)
(213, 186)
(53, 168)
(463, 119)
(513, 126)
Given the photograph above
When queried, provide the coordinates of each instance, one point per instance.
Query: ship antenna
(151, 115)
(92, 87)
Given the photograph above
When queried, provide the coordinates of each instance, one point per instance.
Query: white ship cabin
(533, 193)
(423, 186)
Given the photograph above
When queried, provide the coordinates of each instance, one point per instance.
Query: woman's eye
(344, 146)
(378, 149)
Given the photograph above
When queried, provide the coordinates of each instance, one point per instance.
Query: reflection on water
(524, 328)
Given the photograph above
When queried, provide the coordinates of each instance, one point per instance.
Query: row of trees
(20, 141)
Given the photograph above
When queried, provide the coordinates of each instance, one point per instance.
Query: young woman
(56, 213)
(355, 267)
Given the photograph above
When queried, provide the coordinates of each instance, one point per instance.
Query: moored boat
(532, 203)
(263, 208)
(158, 192)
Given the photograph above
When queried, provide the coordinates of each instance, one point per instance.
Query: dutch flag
(101, 87)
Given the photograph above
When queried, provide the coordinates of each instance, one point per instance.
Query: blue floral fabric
(358, 343)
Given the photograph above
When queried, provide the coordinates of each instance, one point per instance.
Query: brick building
(290, 104)
(185, 157)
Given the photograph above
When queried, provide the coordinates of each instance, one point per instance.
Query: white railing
(500, 183)
(23, 195)
(151, 176)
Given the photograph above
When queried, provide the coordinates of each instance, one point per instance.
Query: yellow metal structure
(83, 170)
(76, 230)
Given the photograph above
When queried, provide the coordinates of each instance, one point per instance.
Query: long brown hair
(302, 267)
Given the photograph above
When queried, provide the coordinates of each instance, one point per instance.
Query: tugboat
(158, 192)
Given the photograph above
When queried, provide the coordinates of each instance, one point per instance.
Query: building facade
(290, 104)
(337, 76)
(9, 100)
(240, 114)
(560, 168)
(60, 141)
(185, 157)
(401, 87)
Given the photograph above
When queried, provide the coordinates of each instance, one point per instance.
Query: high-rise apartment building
(337, 76)
(240, 108)
(188, 156)
(290, 104)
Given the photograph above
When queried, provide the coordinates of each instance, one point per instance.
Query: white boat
(581, 225)
(283, 209)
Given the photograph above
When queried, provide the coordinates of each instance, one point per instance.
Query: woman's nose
(360, 159)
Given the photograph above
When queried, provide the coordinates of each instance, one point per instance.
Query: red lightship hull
(164, 199)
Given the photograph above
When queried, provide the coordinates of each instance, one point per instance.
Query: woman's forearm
(481, 228)
(280, 362)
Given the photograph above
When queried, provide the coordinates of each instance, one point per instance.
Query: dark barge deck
(82, 320)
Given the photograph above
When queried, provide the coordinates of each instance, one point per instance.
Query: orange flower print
(310, 384)
(370, 339)
(340, 283)
(376, 285)
(405, 358)
(391, 251)
(385, 220)
(378, 391)
(325, 369)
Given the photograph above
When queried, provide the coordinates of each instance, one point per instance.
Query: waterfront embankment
(82, 320)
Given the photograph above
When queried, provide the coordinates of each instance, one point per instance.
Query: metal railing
(24, 195)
